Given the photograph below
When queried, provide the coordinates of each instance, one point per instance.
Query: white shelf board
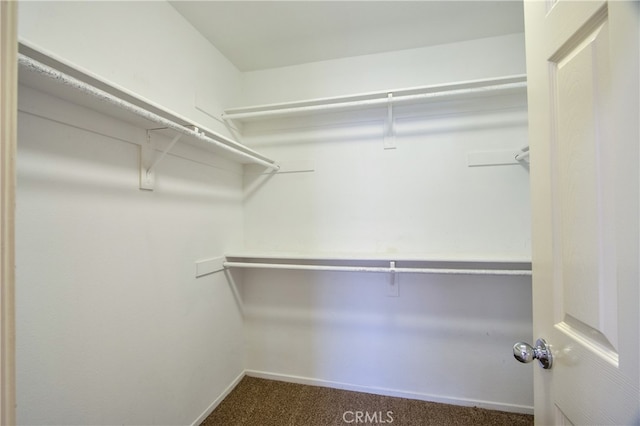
(50, 86)
(375, 257)
(435, 94)
(391, 263)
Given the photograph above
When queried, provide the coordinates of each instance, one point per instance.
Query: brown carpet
(259, 402)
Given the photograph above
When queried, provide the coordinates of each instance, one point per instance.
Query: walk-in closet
(347, 213)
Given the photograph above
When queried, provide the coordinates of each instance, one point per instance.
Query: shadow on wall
(342, 328)
(110, 166)
(498, 112)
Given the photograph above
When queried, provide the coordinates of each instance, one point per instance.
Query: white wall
(113, 327)
(145, 47)
(483, 58)
(420, 198)
(443, 338)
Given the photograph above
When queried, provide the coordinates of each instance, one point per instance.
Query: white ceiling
(257, 35)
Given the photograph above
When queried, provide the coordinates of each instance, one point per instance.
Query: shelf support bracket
(392, 290)
(147, 166)
(389, 133)
(523, 155)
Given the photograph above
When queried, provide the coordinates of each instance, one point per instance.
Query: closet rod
(469, 88)
(447, 271)
(72, 82)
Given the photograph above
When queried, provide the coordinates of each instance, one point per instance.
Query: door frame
(8, 138)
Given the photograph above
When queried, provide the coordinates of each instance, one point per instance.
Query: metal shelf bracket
(149, 160)
(389, 133)
(392, 290)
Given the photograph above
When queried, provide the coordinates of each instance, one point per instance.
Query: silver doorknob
(524, 352)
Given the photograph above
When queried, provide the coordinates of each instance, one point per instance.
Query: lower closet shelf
(376, 263)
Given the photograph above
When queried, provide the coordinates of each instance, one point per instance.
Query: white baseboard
(218, 400)
(511, 408)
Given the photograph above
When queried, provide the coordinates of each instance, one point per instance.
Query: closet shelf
(386, 263)
(64, 81)
(417, 95)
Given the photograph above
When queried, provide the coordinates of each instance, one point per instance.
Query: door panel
(583, 221)
(582, 65)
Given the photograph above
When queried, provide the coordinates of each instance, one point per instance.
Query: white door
(582, 66)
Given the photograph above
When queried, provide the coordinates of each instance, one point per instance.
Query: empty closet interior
(359, 222)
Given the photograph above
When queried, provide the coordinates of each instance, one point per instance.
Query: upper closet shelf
(56, 78)
(460, 90)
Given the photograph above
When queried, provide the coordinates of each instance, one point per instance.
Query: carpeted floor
(259, 402)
